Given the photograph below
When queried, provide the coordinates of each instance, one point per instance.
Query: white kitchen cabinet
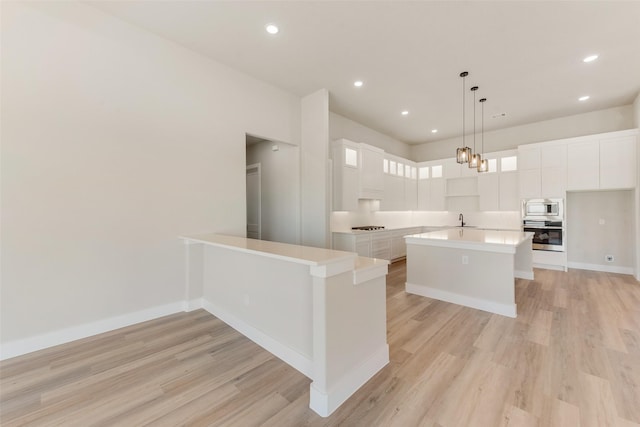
(423, 187)
(451, 168)
(489, 191)
(371, 173)
(381, 245)
(437, 201)
(400, 185)
(530, 183)
(528, 157)
(399, 246)
(359, 243)
(553, 155)
(411, 194)
(542, 170)
(375, 244)
(410, 186)
(618, 160)
(553, 182)
(509, 200)
(357, 174)
(393, 199)
(583, 165)
(602, 164)
(345, 156)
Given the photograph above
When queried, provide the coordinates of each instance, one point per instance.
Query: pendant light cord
(463, 110)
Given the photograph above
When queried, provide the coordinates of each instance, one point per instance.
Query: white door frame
(256, 168)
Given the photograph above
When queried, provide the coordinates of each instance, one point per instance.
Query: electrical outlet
(608, 258)
(465, 259)
(601, 221)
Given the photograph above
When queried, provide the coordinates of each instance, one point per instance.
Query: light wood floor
(571, 358)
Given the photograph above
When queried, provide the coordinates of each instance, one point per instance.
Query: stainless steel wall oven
(545, 219)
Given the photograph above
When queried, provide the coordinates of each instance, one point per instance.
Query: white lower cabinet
(381, 245)
(385, 244)
(358, 243)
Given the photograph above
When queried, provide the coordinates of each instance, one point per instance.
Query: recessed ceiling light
(404, 113)
(358, 83)
(583, 98)
(272, 29)
(590, 58)
(434, 130)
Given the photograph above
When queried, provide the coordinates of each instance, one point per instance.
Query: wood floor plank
(570, 358)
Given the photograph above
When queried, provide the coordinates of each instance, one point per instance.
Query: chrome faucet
(461, 219)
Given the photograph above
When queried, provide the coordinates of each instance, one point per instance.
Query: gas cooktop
(369, 227)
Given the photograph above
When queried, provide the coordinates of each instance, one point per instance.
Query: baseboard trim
(291, 357)
(550, 267)
(508, 310)
(63, 336)
(325, 403)
(601, 267)
(521, 274)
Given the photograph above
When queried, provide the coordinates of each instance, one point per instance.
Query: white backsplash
(367, 214)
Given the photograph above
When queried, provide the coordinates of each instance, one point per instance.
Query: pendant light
(483, 166)
(463, 154)
(475, 158)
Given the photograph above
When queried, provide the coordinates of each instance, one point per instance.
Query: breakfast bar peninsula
(321, 311)
(471, 267)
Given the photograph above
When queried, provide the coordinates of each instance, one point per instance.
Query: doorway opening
(273, 190)
(254, 201)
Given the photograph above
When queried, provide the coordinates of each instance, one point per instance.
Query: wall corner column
(314, 170)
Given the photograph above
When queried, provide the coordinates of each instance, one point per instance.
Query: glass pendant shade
(474, 160)
(483, 166)
(463, 154)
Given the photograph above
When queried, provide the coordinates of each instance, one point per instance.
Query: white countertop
(284, 251)
(472, 238)
(434, 227)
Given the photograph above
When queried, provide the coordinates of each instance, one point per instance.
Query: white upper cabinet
(603, 162)
(394, 183)
(528, 157)
(542, 170)
(618, 162)
(451, 168)
(411, 186)
(583, 165)
(371, 172)
(553, 156)
(508, 195)
(357, 174)
(345, 175)
(489, 191)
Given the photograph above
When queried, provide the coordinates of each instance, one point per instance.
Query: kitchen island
(471, 267)
(321, 311)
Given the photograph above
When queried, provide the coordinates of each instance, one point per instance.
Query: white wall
(114, 143)
(280, 172)
(609, 120)
(588, 241)
(314, 172)
(341, 127)
(636, 111)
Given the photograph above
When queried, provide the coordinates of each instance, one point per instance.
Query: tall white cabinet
(357, 174)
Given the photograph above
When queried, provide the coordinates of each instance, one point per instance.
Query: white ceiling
(526, 56)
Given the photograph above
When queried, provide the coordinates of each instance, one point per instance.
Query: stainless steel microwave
(543, 209)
